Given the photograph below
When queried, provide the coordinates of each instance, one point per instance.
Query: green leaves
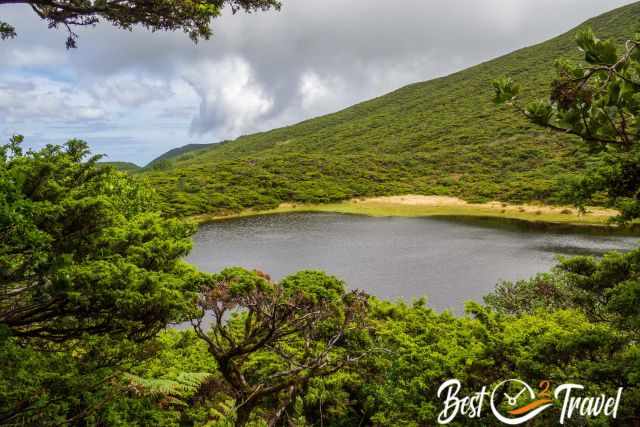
(242, 282)
(193, 17)
(169, 391)
(598, 101)
(596, 51)
(271, 339)
(540, 112)
(87, 267)
(87, 242)
(506, 90)
(6, 31)
(315, 285)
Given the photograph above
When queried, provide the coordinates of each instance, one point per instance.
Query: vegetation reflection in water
(449, 260)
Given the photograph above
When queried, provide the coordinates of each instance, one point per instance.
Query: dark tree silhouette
(191, 16)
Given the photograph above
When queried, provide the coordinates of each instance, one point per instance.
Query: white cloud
(231, 100)
(132, 90)
(37, 56)
(315, 92)
(43, 99)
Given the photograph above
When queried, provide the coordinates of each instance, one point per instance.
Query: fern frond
(170, 390)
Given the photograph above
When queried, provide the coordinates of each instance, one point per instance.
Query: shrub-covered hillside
(182, 153)
(123, 166)
(444, 137)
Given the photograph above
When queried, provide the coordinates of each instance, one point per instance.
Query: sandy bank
(417, 205)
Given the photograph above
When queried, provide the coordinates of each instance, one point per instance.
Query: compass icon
(513, 401)
(523, 392)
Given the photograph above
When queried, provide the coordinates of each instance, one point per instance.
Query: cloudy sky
(136, 95)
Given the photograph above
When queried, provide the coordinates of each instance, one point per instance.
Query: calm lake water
(448, 260)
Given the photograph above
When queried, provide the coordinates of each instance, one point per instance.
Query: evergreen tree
(599, 101)
(88, 268)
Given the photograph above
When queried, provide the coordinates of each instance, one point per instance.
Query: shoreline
(434, 206)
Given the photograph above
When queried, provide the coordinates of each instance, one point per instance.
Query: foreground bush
(89, 272)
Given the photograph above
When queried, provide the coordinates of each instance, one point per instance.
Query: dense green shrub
(89, 272)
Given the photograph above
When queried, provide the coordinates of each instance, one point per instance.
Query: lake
(449, 261)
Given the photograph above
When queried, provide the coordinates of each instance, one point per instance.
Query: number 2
(545, 393)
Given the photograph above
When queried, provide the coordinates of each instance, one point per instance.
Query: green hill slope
(181, 153)
(123, 166)
(441, 137)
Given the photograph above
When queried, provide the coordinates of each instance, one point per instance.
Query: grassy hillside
(181, 153)
(441, 137)
(123, 166)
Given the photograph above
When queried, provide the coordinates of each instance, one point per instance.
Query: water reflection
(448, 260)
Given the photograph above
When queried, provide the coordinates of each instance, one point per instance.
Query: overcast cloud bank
(136, 95)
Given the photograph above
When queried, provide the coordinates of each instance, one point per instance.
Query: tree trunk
(243, 413)
(288, 401)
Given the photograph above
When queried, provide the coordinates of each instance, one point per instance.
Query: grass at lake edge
(430, 206)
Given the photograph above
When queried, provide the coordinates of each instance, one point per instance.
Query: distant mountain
(443, 136)
(177, 153)
(123, 166)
